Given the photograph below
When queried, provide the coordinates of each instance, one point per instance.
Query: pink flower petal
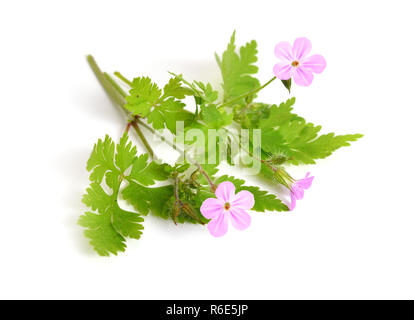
(305, 183)
(243, 200)
(301, 48)
(297, 192)
(315, 63)
(283, 51)
(283, 70)
(292, 202)
(212, 208)
(225, 191)
(239, 218)
(218, 227)
(302, 76)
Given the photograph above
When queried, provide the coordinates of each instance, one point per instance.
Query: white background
(351, 237)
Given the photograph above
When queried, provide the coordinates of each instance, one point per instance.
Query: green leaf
(146, 173)
(280, 114)
(125, 153)
(143, 96)
(174, 89)
(145, 199)
(101, 159)
(160, 202)
(96, 198)
(262, 199)
(156, 118)
(109, 225)
(325, 144)
(209, 95)
(214, 118)
(291, 136)
(236, 69)
(127, 223)
(103, 237)
(108, 229)
(167, 113)
(162, 110)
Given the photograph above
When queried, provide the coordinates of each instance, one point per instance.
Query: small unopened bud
(278, 159)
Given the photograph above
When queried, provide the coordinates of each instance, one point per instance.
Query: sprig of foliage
(176, 192)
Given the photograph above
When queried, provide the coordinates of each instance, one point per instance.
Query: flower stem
(252, 92)
(205, 174)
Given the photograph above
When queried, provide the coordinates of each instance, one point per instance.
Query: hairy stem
(252, 92)
(205, 174)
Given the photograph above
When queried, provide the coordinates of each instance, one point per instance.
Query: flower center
(227, 206)
(295, 63)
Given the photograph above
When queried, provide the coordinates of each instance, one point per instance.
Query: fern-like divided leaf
(108, 225)
(237, 69)
(287, 134)
(160, 107)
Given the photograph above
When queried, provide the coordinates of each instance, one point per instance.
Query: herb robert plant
(192, 190)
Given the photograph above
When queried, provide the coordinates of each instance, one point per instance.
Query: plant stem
(116, 94)
(109, 89)
(128, 127)
(205, 174)
(121, 77)
(143, 139)
(200, 168)
(143, 124)
(246, 94)
(115, 85)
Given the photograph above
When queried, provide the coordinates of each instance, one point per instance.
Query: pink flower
(228, 205)
(297, 189)
(296, 63)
